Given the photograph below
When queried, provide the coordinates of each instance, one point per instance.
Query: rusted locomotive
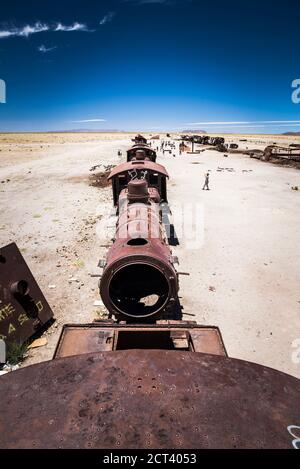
(139, 278)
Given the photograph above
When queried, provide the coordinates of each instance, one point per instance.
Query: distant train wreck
(290, 153)
(140, 139)
(203, 140)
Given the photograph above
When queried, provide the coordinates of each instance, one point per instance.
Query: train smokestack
(138, 191)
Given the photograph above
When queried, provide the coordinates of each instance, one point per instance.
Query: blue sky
(150, 65)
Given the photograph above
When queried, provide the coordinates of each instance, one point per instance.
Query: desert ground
(244, 273)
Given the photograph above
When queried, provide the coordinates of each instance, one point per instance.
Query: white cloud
(38, 27)
(243, 123)
(89, 120)
(287, 125)
(107, 18)
(73, 27)
(45, 49)
(6, 34)
(256, 126)
(25, 31)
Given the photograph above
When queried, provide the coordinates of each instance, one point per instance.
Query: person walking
(206, 184)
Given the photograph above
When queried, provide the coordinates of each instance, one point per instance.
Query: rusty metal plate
(138, 165)
(208, 340)
(80, 339)
(77, 339)
(23, 307)
(148, 399)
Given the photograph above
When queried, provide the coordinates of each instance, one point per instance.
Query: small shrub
(15, 352)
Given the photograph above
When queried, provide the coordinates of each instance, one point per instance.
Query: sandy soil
(244, 275)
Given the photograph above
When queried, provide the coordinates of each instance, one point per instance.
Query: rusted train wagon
(141, 152)
(140, 139)
(285, 153)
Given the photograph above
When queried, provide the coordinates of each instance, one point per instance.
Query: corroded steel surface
(23, 307)
(138, 165)
(148, 399)
(78, 339)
